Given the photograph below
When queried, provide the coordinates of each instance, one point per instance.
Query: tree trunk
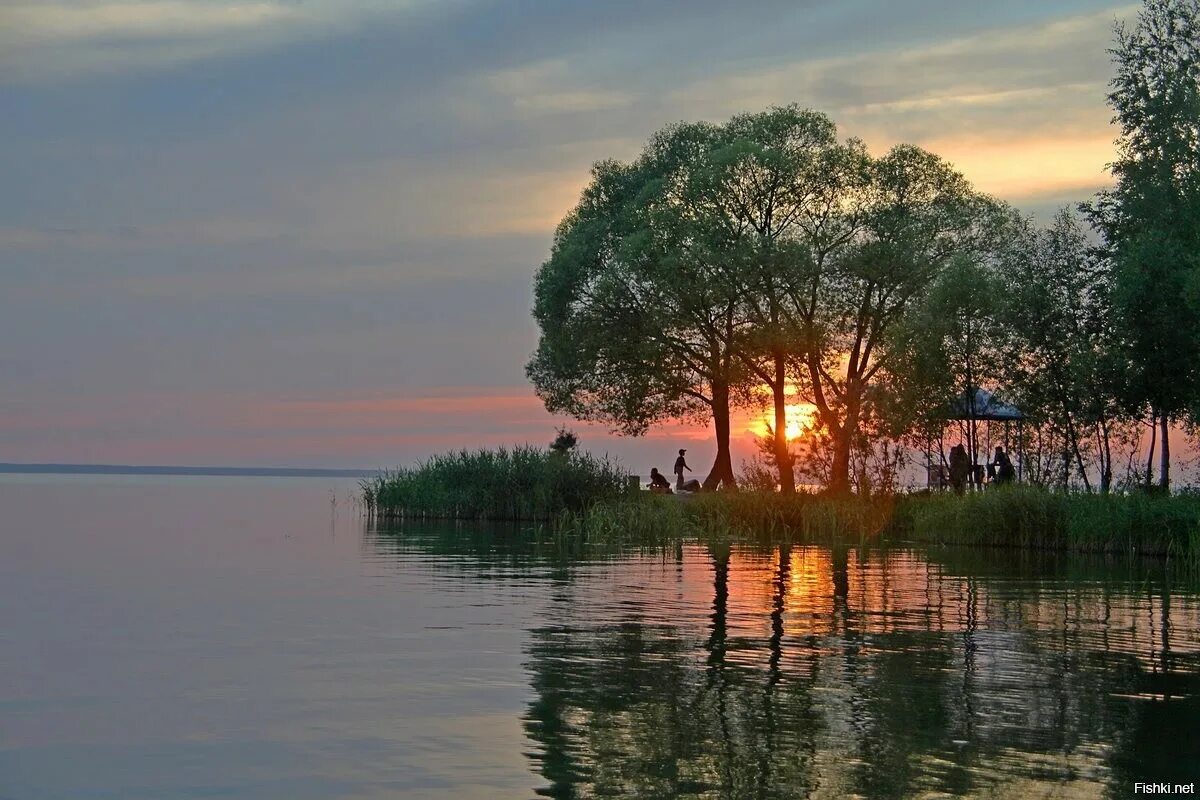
(1073, 436)
(1106, 470)
(783, 456)
(839, 472)
(843, 443)
(1150, 455)
(722, 468)
(1164, 464)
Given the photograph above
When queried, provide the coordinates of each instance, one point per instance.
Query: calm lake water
(253, 638)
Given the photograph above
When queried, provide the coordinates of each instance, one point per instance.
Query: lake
(255, 638)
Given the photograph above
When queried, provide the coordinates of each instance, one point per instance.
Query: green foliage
(524, 483)
(1151, 218)
(728, 257)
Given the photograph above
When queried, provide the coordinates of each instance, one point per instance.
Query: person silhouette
(658, 482)
(1004, 468)
(680, 465)
(960, 468)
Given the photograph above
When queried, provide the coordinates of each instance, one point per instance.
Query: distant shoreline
(127, 469)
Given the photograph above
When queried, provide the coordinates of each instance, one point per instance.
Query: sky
(304, 232)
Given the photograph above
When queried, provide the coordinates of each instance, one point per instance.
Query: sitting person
(659, 483)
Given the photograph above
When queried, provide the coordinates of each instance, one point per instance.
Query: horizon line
(57, 468)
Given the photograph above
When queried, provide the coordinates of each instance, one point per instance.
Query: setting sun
(800, 417)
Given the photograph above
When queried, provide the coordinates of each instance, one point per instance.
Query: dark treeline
(769, 256)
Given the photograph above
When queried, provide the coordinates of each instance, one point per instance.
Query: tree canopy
(761, 252)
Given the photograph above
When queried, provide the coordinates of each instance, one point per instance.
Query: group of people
(1000, 471)
(659, 483)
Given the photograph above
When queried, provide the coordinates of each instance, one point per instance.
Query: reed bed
(1026, 517)
(742, 516)
(521, 483)
(1012, 518)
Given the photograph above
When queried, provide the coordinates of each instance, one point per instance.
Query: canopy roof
(983, 405)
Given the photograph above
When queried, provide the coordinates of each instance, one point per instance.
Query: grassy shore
(524, 483)
(1034, 518)
(577, 495)
(1018, 518)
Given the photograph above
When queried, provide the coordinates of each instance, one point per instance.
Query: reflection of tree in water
(634, 710)
(1001, 694)
(877, 673)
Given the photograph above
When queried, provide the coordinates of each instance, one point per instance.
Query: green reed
(521, 483)
(741, 516)
(1027, 517)
(1021, 517)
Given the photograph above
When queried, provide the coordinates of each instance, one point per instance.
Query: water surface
(252, 638)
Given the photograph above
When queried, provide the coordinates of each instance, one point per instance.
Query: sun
(800, 418)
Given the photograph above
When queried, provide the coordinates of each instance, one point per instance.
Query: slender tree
(950, 344)
(1151, 218)
(1062, 360)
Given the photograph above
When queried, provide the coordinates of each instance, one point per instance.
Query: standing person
(1004, 468)
(680, 465)
(960, 468)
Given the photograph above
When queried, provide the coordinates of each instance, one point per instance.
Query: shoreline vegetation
(579, 496)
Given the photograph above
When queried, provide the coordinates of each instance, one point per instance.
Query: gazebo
(969, 409)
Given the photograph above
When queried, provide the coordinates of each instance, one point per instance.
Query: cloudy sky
(303, 232)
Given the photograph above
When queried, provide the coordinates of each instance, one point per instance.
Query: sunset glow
(800, 419)
(343, 277)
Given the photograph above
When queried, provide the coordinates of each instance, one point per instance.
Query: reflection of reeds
(524, 483)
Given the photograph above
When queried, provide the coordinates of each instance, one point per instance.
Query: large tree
(767, 202)
(758, 253)
(1151, 218)
(634, 330)
(665, 292)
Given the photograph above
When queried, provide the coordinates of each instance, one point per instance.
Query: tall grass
(742, 516)
(1034, 518)
(522, 483)
(1020, 517)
